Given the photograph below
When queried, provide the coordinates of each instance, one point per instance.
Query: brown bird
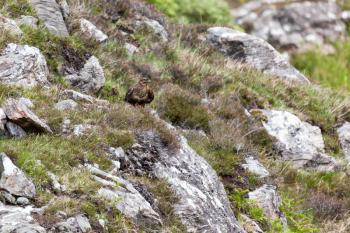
(140, 94)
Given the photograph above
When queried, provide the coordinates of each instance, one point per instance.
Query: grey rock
(298, 26)
(28, 21)
(15, 130)
(77, 96)
(344, 138)
(249, 225)
(13, 180)
(49, 12)
(79, 130)
(203, 205)
(158, 28)
(299, 142)
(22, 201)
(57, 187)
(117, 153)
(255, 167)
(7, 198)
(18, 220)
(3, 120)
(77, 224)
(131, 48)
(20, 114)
(64, 8)
(66, 105)
(254, 52)
(24, 66)
(267, 198)
(90, 31)
(90, 79)
(130, 202)
(27, 102)
(10, 26)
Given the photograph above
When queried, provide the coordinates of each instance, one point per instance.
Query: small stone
(131, 48)
(158, 29)
(22, 201)
(66, 105)
(255, 167)
(10, 26)
(90, 31)
(117, 153)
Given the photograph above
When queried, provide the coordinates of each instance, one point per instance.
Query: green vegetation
(16, 8)
(331, 70)
(195, 11)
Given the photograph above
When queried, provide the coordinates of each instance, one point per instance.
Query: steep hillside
(237, 139)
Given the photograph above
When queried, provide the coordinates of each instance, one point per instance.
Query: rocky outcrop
(10, 26)
(18, 220)
(254, 52)
(267, 198)
(13, 180)
(131, 203)
(24, 66)
(18, 113)
(255, 167)
(299, 142)
(344, 138)
(297, 26)
(203, 205)
(49, 12)
(76, 224)
(90, 31)
(90, 78)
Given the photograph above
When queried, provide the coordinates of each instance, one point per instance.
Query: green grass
(195, 11)
(16, 8)
(329, 70)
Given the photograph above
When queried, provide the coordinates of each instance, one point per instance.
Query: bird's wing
(129, 94)
(150, 95)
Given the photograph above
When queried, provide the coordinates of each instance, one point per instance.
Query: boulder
(267, 198)
(299, 142)
(66, 105)
(76, 224)
(49, 12)
(10, 26)
(28, 21)
(20, 114)
(344, 138)
(13, 180)
(294, 26)
(249, 225)
(91, 32)
(131, 203)
(255, 167)
(202, 204)
(18, 220)
(253, 51)
(90, 78)
(14, 130)
(24, 66)
(156, 27)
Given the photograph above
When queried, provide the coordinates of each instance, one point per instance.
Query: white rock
(66, 105)
(267, 198)
(77, 224)
(157, 28)
(249, 225)
(254, 52)
(90, 31)
(49, 12)
(131, 48)
(90, 79)
(18, 220)
(255, 167)
(24, 66)
(299, 142)
(27, 102)
(130, 202)
(344, 138)
(117, 153)
(10, 26)
(22, 201)
(14, 180)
